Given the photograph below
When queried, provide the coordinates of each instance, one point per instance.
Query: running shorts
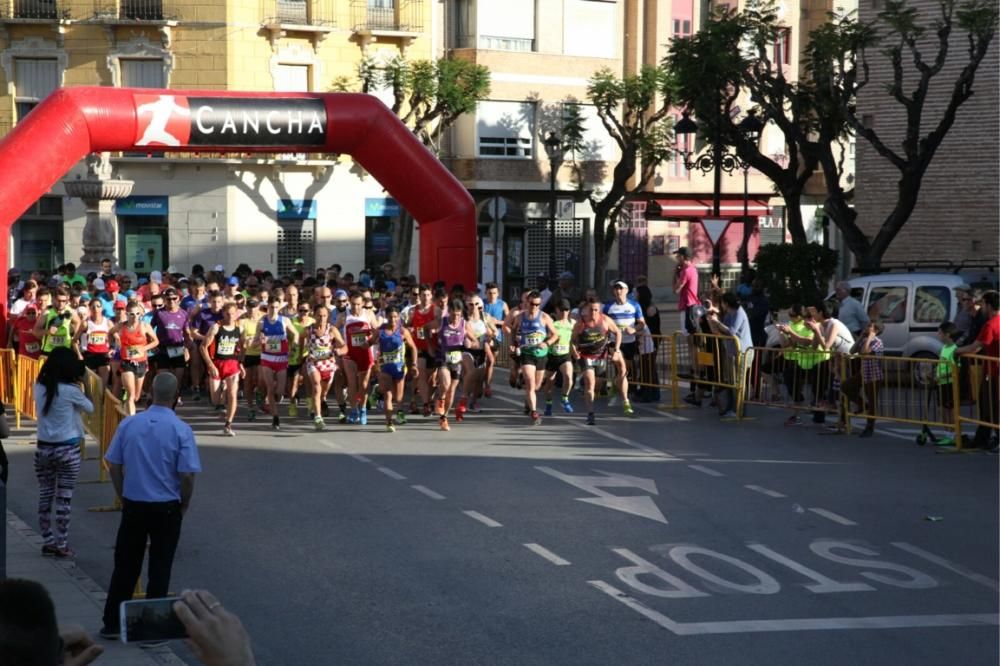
(138, 369)
(94, 361)
(555, 362)
(227, 367)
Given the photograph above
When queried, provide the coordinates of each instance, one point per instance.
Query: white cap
(171, 269)
(99, 284)
(219, 268)
(156, 276)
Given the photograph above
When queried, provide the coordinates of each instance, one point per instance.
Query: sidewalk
(78, 599)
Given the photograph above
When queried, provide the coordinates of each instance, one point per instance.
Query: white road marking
(765, 491)
(485, 520)
(424, 490)
(359, 457)
(803, 624)
(768, 462)
(949, 565)
(706, 470)
(332, 445)
(830, 515)
(637, 505)
(391, 473)
(547, 554)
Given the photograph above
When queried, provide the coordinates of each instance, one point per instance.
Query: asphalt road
(665, 538)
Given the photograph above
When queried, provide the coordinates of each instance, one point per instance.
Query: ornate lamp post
(554, 149)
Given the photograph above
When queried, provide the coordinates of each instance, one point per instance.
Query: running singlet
(357, 331)
(532, 334)
(248, 328)
(451, 342)
(295, 350)
(28, 345)
(205, 319)
(495, 310)
(320, 345)
(227, 342)
(132, 345)
(417, 323)
(169, 328)
(62, 335)
(565, 331)
(592, 341)
(392, 352)
(95, 340)
(479, 330)
(275, 339)
(625, 315)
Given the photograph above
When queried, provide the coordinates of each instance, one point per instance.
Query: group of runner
(370, 346)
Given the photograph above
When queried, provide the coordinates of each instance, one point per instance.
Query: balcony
(131, 11)
(32, 10)
(313, 17)
(392, 18)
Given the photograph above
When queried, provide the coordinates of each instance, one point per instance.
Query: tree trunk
(601, 252)
(402, 244)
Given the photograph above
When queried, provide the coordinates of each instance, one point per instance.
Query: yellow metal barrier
(8, 364)
(657, 369)
(713, 360)
(93, 423)
(982, 410)
(112, 413)
(799, 378)
(24, 383)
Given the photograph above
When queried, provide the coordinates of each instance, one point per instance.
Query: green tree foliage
(796, 273)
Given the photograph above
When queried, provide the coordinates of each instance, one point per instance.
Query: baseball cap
(684, 252)
(156, 276)
(565, 275)
(110, 285)
(143, 281)
(300, 262)
(120, 305)
(84, 297)
(31, 308)
(219, 268)
(234, 281)
(99, 283)
(340, 293)
(620, 283)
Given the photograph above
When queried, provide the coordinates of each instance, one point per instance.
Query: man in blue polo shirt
(153, 459)
(627, 315)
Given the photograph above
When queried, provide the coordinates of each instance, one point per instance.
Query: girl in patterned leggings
(59, 397)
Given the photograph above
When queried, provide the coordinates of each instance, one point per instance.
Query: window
(588, 28)
(142, 73)
(508, 25)
(505, 129)
(682, 27)
(34, 79)
(291, 78)
(783, 47)
(931, 305)
(887, 304)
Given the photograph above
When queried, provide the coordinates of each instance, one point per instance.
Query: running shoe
(536, 419)
(793, 420)
(49, 550)
(352, 418)
(443, 422)
(460, 410)
(413, 407)
(318, 423)
(251, 414)
(548, 408)
(363, 416)
(400, 417)
(197, 396)
(427, 409)
(692, 400)
(474, 407)
(293, 408)
(568, 408)
(591, 420)
(389, 427)
(627, 408)
(342, 417)
(275, 423)
(729, 415)
(220, 407)
(227, 431)
(488, 391)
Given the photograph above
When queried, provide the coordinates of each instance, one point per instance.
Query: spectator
(833, 337)
(59, 398)
(686, 288)
(987, 343)
(972, 303)
(565, 290)
(72, 278)
(648, 373)
(870, 346)
(758, 309)
(29, 634)
(850, 310)
(153, 459)
(745, 288)
(800, 360)
(28, 296)
(735, 323)
(107, 270)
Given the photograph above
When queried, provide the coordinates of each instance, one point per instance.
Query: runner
(535, 334)
(93, 341)
(357, 324)
(590, 342)
(202, 318)
(135, 340)
(249, 324)
(170, 326)
(393, 341)
(323, 342)
(337, 314)
(119, 317)
(58, 325)
(274, 333)
(560, 361)
(221, 353)
(421, 315)
(27, 344)
(478, 356)
(515, 379)
(300, 322)
(496, 312)
(450, 337)
(627, 315)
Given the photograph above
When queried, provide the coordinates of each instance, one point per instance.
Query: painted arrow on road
(637, 505)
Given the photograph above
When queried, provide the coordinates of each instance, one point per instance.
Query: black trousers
(160, 523)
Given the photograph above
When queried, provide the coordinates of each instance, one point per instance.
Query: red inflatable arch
(73, 122)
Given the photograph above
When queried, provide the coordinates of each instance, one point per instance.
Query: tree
(428, 96)
(796, 272)
(842, 55)
(632, 110)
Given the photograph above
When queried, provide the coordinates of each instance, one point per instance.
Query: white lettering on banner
(271, 128)
(630, 576)
(229, 124)
(765, 584)
(823, 584)
(251, 122)
(294, 118)
(198, 119)
(637, 505)
(916, 580)
(315, 124)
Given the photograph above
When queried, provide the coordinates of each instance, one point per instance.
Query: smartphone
(150, 620)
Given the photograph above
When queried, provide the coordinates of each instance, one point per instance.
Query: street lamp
(717, 161)
(553, 148)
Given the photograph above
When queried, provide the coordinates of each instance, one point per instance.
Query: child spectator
(947, 334)
(870, 347)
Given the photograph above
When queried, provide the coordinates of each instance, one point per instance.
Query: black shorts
(250, 361)
(537, 361)
(293, 369)
(629, 350)
(555, 362)
(95, 361)
(454, 369)
(599, 365)
(139, 369)
(166, 362)
(478, 357)
(429, 360)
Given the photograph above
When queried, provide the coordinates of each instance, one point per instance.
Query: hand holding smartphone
(145, 620)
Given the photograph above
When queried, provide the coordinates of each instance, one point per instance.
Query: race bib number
(32, 347)
(226, 347)
(454, 357)
(392, 357)
(175, 352)
(97, 339)
(560, 349)
(273, 344)
(57, 340)
(135, 353)
(534, 339)
(421, 333)
(359, 339)
(321, 353)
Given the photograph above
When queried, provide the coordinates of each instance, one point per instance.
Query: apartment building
(265, 210)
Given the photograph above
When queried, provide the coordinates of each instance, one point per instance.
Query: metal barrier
(24, 382)
(713, 360)
(93, 423)
(112, 414)
(800, 378)
(982, 409)
(657, 369)
(8, 364)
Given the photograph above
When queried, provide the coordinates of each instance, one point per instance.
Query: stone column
(98, 191)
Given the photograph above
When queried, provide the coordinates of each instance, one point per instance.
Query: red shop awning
(697, 208)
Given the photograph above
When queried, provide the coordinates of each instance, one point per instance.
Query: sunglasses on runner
(303, 310)
(535, 303)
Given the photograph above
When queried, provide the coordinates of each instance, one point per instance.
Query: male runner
(560, 361)
(590, 343)
(357, 324)
(496, 312)
(274, 333)
(627, 315)
(423, 314)
(535, 333)
(221, 352)
(393, 340)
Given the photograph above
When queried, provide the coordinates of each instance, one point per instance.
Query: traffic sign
(715, 227)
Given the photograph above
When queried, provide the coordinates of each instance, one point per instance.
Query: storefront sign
(178, 120)
(143, 252)
(382, 208)
(297, 209)
(142, 205)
